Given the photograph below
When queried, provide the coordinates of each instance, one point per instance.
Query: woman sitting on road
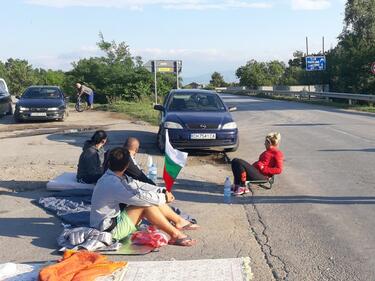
(90, 165)
(270, 163)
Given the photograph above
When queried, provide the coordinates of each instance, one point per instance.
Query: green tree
(350, 61)
(117, 75)
(255, 74)
(217, 80)
(20, 75)
(49, 77)
(3, 71)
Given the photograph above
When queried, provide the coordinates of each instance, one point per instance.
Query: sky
(207, 35)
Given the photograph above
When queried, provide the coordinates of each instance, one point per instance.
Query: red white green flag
(174, 161)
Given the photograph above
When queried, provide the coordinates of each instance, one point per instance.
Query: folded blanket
(87, 238)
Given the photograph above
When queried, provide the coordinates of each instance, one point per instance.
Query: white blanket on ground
(237, 269)
(67, 181)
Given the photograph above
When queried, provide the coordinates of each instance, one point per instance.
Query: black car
(41, 103)
(5, 99)
(198, 120)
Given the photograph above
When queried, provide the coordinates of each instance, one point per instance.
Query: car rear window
(195, 102)
(42, 93)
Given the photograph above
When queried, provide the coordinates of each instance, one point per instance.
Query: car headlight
(23, 108)
(230, 125)
(53, 108)
(172, 125)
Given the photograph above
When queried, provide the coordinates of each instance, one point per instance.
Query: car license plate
(203, 136)
(38, 114)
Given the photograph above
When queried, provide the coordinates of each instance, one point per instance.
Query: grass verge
(362, 108)
(142, 110)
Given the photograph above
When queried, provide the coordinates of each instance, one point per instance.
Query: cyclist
(84, 90)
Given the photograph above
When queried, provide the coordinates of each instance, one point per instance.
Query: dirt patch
(217, 158)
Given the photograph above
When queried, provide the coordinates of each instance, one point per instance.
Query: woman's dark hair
(119, 159)
(99, 136)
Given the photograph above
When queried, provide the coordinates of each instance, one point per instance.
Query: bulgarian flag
(174, 161)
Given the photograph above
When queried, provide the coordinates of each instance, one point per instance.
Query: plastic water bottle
(227, 191)
(153, 173)
(149, 163)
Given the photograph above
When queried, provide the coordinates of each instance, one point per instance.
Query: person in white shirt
(140, 200)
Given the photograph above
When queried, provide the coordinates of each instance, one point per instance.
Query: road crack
(274, 262)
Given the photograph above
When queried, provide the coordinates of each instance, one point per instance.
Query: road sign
(164, 66)
(373, 68)
(315, 63)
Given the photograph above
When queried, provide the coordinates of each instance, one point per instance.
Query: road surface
(317, 223)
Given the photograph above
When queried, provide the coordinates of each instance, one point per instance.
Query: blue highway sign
(316, 63)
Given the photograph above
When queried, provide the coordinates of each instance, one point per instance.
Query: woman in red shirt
(270, 163)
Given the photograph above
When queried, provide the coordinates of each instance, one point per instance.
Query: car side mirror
(232, 108)
(158, 107)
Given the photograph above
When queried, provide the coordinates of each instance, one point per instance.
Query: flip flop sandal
(181, 242)
(190, 226)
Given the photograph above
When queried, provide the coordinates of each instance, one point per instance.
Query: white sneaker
(239, 191)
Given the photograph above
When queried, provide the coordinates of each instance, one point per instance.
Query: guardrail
(304, 94)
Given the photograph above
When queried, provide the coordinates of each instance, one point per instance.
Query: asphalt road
(317, 223)
(36, 152)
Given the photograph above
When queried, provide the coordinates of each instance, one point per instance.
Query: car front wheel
(10, 110)
(234, 148)
(161, 141)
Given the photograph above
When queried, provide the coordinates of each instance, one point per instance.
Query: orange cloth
(79, 266)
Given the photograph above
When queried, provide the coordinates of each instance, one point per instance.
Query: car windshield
(2, 86)
(196, 102)
(42, 93)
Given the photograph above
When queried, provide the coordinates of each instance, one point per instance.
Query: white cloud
(188, 54)
(310, 4)
(167, 4)
(64, 61)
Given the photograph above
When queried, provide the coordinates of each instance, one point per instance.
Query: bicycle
(81, 105)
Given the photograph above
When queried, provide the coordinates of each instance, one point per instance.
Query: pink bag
(150, 236)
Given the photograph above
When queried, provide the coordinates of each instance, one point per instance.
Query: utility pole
(177, 82)
(307, 54)
(156, 82)
(307, 46)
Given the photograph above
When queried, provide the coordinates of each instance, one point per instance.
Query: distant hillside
(229, 76)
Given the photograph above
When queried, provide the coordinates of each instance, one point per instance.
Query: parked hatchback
(41, 103)
(198, 120)
(5, 99)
